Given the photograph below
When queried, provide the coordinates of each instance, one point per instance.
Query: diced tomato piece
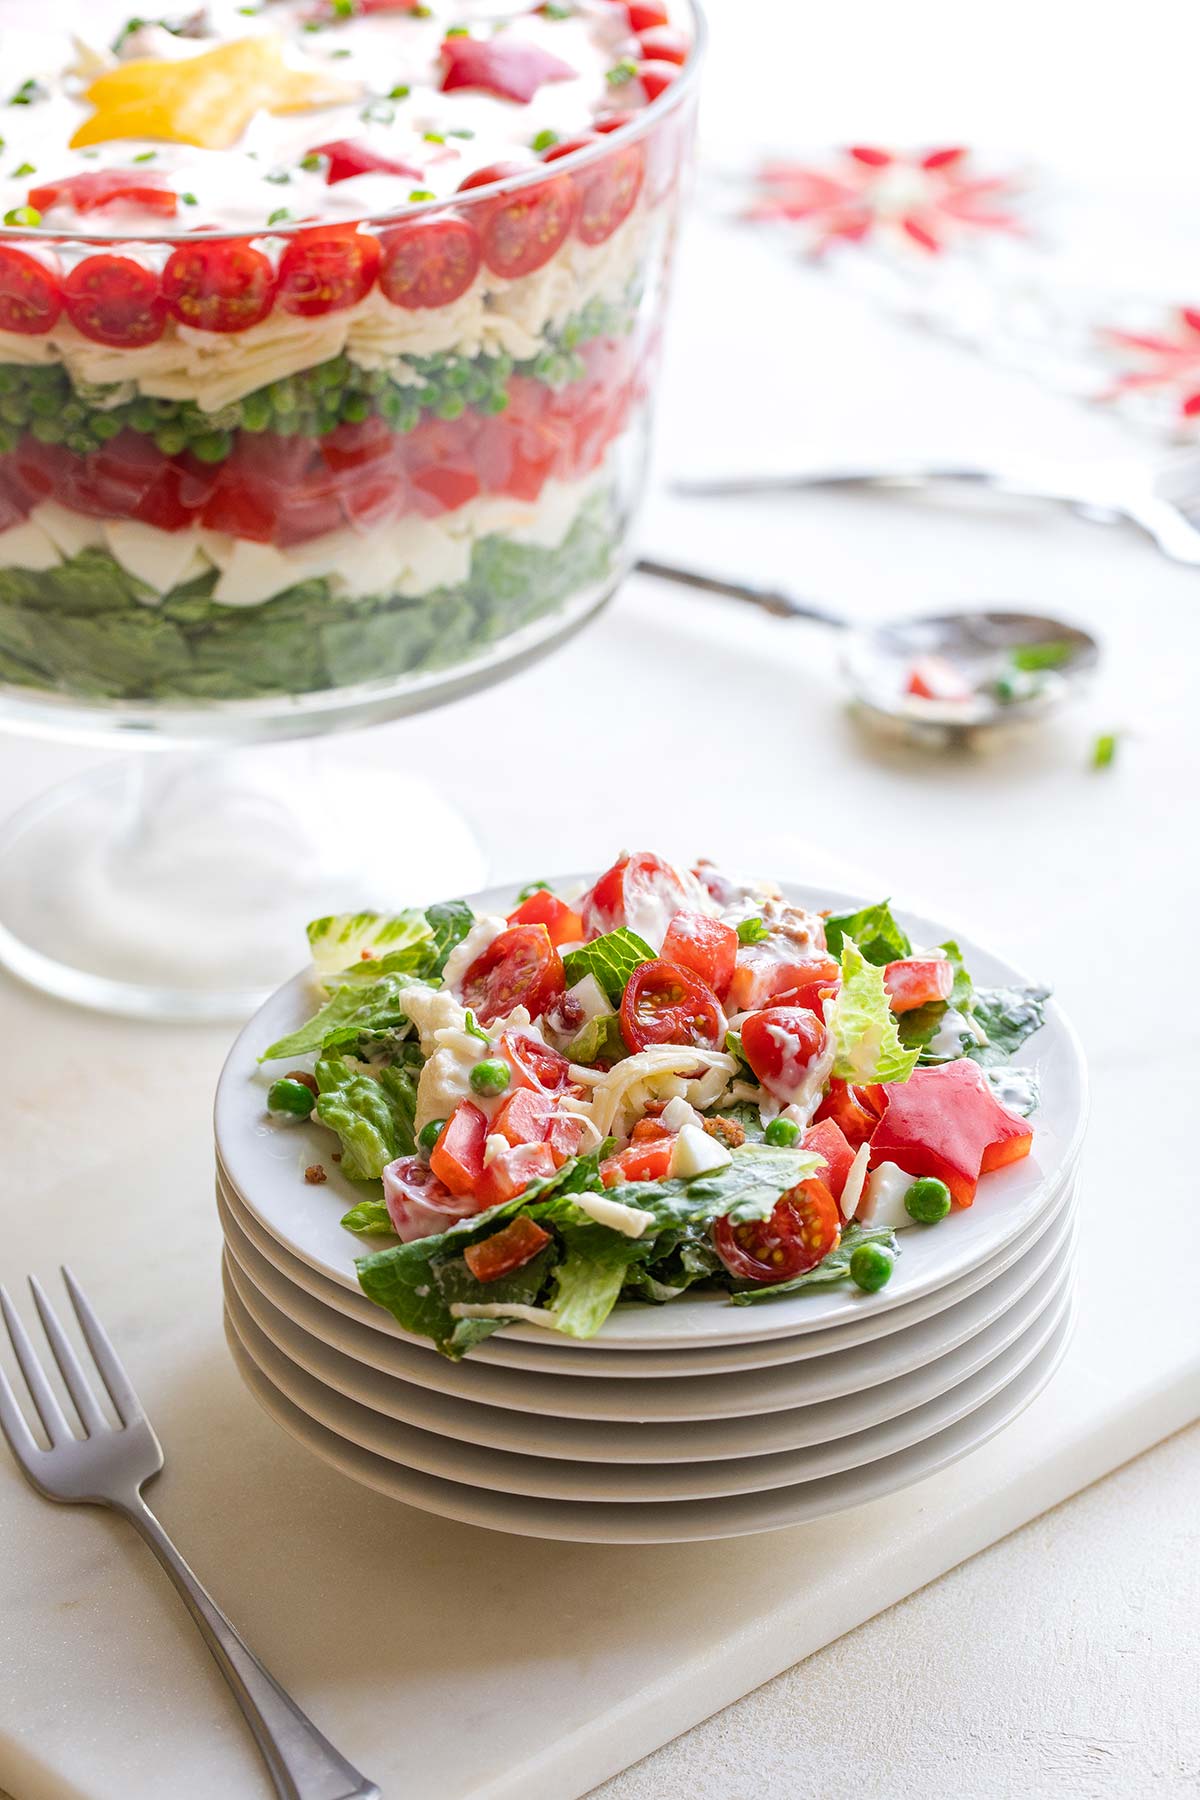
(94, 189)
(346, 157)
(510, 1172)
(666, 1004)
(947, 1122)
(804, 1227)
(531, 1117)
(843, 1104)
(707, 947)
(508, 66)
(649, 1159)
(521, 967)
(561, 921)
(508, 1249)
(656, 77)
(915, 982)
(534, 1064)
(767, 976)
(429, 261)
(829, 1140)
(781, 1044)
(647, 17)
(933, 678)
(419, 1205)
(664, 44)
(457, 1157)
(30, 291)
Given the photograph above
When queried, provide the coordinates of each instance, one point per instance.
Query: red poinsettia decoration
(1168, 362)
(933, 199)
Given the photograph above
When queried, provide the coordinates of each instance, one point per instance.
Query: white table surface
(1054, 1657)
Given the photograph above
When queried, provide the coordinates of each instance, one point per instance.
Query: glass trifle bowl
(328, 333)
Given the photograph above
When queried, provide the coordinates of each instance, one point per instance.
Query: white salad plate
(805, 1427)
(264, 1160)
(549, 1356)
(752, 1392)
(669, 1522)
(625, 1483)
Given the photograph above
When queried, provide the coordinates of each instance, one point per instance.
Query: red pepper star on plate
(946, 1122)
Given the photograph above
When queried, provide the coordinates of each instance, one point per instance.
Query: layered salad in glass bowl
(327, 334)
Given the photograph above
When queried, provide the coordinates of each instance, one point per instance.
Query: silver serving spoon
(1013, 667)
(1163, 500)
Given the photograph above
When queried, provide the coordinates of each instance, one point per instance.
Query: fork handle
(303, 1763)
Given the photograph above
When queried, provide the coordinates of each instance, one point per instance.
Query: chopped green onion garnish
(1032, 657)
(400, 92)
(752, 931)
(623, 71)
(422, 194)
(144, 156)
(23, 215)
(278, 216)
(545, 140)
(1104, 751)
(25, 169)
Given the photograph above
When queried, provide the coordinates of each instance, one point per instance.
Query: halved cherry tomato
(522, 231)
(613, 121)
(767, 975)
(915, 982)
(457, 1157)
(656, 77)
(510, 1173)
(804, 1227)
(508, 1249)
(844, 1105)
(829, 1140)
(534, 1064)
(346, 157)
(30, 294)
(564, 925)
(647, 1160)
(94, 189)
(327, 270)
(114, 300)
(664, 45)
(508, 66)
(781, 1044)
(219, 287)
(634, 884)
(519, 968)
(947, 1122)
(707, 947)
(608, 190)
(666, 1004)
(647, 18)
(430, 261)
(419, 1205)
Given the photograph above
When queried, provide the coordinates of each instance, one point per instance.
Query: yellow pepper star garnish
(208, 99)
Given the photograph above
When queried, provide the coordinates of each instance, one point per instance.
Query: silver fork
(1164, 502)
(107, 1467)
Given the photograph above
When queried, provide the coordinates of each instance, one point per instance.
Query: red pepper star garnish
(946, 1122)
(501, 65)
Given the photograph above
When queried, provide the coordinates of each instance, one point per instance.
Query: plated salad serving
(324, 325)
(666, 1081)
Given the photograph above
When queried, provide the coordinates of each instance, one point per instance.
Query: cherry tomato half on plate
(519, 968)
(114, 300)
(30, 293)
(781, 1044)
(666, 1004)
(804, 1227)
(634, 886)
(219, 287)
(327, 270)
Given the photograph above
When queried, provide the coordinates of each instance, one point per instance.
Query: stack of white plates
(689, 1421)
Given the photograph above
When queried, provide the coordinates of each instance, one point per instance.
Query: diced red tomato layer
(646, 1159)
(915, 982)
(707, 947)
(564, 925)
(287, 490)
(828, 1139)
(457, 1157)
(510, 1173)
(947, 1122)
(534, 1064)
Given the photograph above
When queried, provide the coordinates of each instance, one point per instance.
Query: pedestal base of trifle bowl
(176, 886)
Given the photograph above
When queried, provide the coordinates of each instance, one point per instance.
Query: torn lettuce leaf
(747, 1187)
(589, 1279)
(347, 944)
(350, 1012)
(867, 1046)
(873, 929)
(611, 958)
(372, 1114)
(369, 1218)
(449, 921)
(1008, 1016)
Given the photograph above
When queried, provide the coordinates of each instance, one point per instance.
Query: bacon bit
(366, 956)
(337, 1156)
(727, 1131)
(654, 1108)
(315, 1175)
(305, 1080)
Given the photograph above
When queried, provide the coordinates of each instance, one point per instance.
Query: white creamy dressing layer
(409, 558)
(372, 55)
(214, 369)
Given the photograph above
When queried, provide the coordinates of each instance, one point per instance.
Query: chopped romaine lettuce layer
(89, 629)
